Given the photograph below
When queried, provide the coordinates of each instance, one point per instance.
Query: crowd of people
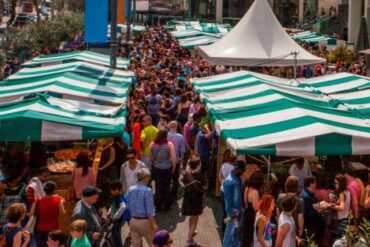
(172, 142)
(307, 208)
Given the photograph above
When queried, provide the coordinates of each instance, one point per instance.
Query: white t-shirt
(131, 175)
(289, 240)
(342, 215)
(301, 174)
(225, 171)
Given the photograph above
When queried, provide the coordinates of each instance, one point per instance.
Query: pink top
(81, 182)
(353, 188)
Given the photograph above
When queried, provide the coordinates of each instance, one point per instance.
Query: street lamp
(113, 34)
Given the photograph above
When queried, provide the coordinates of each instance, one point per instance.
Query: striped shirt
(161, 156)
(140, 201)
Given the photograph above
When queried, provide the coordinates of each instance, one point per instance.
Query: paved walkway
(208, 225)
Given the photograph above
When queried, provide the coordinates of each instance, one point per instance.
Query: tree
(12, 12)
(75, 5)
(37, 7)
(46, 35)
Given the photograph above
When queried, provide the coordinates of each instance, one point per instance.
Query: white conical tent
(257, 40)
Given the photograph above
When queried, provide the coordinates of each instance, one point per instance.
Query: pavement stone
(209, 231)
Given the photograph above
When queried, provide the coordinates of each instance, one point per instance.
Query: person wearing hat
(162, 239)
(85, 210)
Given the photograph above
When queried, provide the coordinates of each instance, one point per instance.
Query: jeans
(204, 161)
(231, 235)
(116, 233)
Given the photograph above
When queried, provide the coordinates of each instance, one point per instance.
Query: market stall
(262, 115)
(68, 87)
(83, 68)
(77, 56)
(67, 107)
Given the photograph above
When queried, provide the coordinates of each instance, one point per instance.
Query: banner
(96, 21)
(121, 11)
(128, 7)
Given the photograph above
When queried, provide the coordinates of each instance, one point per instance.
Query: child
(118, 211)
(286, 236)
(78, 228)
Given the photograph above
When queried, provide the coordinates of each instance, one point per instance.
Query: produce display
(61, 166)
(69, 153)
(63, 161)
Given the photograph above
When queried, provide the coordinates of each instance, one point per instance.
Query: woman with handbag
(15, 235)
(193, 202)
(163, 161)
(47, 211)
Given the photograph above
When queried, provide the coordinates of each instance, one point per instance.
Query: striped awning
(258, 114)
(45, 118)
(92, 70)
(78, 56)
(192, 42)
(67, 85)
(311, 37)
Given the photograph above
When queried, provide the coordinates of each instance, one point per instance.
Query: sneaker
(190, 243)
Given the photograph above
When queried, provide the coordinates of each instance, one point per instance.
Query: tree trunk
(12, 12)
(36, 3)
(52, 9)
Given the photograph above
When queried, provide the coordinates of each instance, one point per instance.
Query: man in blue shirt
(233, 197)
(203, 148)
(179, 144)
(312, 219)
(141, 205)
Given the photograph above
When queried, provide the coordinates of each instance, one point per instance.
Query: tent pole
(268, 162)
(295, 63)
(268, 170)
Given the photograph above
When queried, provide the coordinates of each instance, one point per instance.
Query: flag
(96, 21)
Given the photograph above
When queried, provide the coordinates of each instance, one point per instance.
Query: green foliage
(43, 36)
(364, 230)
(341, 52)
(308, 241)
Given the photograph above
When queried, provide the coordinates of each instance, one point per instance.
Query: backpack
(126, 216)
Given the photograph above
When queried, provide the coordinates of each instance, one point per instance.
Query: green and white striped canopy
(68, 85)
(51, 119)
(194, 33)
(93, 70)
(78, 56)
(311, 37)
(200, 26)
(192, 42)
(258, 114)
(351, 90)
